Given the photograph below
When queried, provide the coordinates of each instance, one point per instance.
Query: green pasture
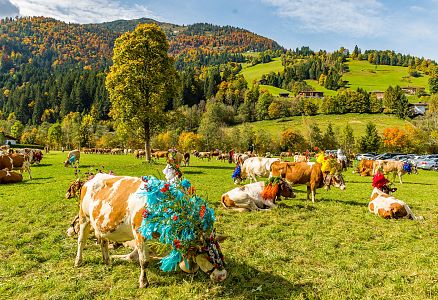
(377, 78)
(252, 73)
(333, 249)
(275, 91)
(357, 121)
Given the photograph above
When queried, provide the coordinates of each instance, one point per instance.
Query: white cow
(255, 167)
(249, 197)
(389, 207)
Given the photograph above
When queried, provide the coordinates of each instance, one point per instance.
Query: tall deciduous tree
(141, 80)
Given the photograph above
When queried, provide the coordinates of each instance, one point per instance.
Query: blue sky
(406, 26)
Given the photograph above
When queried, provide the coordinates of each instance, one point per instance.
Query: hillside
(357, 121)
(362, 74)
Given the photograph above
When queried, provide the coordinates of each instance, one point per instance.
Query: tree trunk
(147, 143)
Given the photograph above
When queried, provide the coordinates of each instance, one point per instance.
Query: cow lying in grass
(10, 177)
(16, 161)
(385, 205)
(251, 197)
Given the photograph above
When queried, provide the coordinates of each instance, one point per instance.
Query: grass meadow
(357, 121)
(333, 249)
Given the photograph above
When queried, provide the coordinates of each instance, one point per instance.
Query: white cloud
(82, 11)
(356, 18)
(7, 9)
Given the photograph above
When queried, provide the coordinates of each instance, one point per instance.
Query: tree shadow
(308, 207)
(41, 165)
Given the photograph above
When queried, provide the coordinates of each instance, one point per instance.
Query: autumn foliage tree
(292, 140)
(141, 80)
(395, 139)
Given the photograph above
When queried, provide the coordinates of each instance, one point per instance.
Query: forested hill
(49, 68)
(52, 43)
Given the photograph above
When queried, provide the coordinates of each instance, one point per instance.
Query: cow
(202, 155)
(10, 177)
(186, 159)
(223, 157)
(239, 158)
(114, 207)
(255, 167)
(249, 197)
(37, 156)
(285, 154)
(300, 158)
(16, 161)
(397, 168)
(309, 174)
(175, 157)
(159, 154)
(72, 157)
(388, 207)
(365, 167)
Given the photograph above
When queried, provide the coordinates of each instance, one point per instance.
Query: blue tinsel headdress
(237, 172)
(178, 216)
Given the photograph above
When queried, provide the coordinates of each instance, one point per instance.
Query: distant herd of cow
(18, 159)
(110, 208)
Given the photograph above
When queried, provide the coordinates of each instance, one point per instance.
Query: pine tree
(370, 142)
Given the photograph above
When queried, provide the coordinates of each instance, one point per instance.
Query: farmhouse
(412, 90)
(417, 109)
(7, 139)
(379, 94)
(311, 94)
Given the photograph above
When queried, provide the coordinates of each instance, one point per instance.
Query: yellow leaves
(395, 138)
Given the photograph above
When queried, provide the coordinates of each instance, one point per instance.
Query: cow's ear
(221, 238)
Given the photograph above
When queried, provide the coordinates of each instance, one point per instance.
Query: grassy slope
(370, 77)
(333, 249)
(357, 121)
(252, 73)
(362, 74)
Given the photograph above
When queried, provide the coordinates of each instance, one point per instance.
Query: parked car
(428, 164)
(385, 156)
(369, 155)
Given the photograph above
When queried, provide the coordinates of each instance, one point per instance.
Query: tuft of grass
(333, 249)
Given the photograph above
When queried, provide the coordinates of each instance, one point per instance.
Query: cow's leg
(312, 190)
(127, 257)
(143, 258)
(308, 192)
(84, 230)
(104, 247)
(400, 177)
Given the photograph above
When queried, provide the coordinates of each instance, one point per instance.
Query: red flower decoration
(177, 243)
(202, 211)
(145, 213)
(325, 158)
(165, 188)
(177, 166)
(175, 217)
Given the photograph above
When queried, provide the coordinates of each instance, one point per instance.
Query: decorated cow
(123, 208)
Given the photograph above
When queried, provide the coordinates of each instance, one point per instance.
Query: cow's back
(5, 162)
(297, 173)
(112, 205)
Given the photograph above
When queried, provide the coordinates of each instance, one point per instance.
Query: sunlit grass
(333, 249)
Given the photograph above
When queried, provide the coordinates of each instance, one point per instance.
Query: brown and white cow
(397, 168)
(249, 197)
(72, 157)
(309, 174)
(254, 167)
(113, 207)
(10, 177)
(365, 167)
(16, 161)
(300, 158)
(159, 154)
(388, 207)
(202, 155)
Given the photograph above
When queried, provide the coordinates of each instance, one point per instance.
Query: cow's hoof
(144, 284)
(78, 262)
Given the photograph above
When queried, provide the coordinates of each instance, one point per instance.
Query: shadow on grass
(308, 207)
(41, 165)
(231, 167)
(349, 202)
(193, 172)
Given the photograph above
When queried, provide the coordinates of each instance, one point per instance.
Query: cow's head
(286, 190)
(207, 257)
(172, 172)
(335, 179)
(74, 189)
